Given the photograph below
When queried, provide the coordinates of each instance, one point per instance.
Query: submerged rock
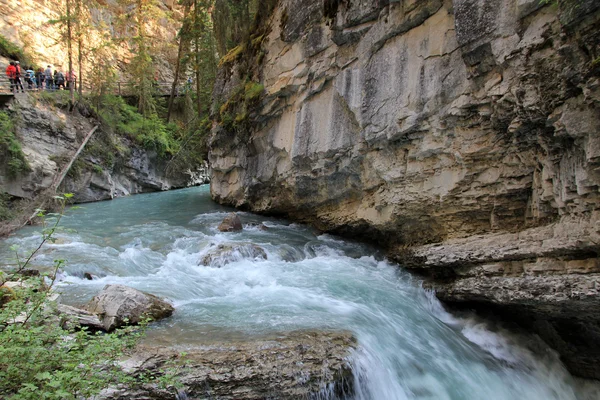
(231, 223)
(119, 305)
(227, 253)
(296, 365)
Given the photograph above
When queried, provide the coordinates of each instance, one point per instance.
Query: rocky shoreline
(290, 365)
(303, 364)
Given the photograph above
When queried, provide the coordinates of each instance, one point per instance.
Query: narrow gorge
(376, 200)
(461, 135)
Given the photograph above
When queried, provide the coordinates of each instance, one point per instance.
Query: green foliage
(56, 98)
(42, 356)
(234, 114)
(10, 148)
(149, 131)
(232, 55)
(252, 91)
(76, 169)
(6, 213)
(98, 169)
(10, 50)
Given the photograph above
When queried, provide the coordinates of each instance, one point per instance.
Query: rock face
(224, 254)
(74, 317)
(117, 305)
(26, 24)
(462, 134)
(49, 136)
(297, 365)
(231, 223)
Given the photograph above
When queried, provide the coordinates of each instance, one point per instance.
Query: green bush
(151, 131)
(5, 212)
(42, 356)
(10, 148)
(56, 98)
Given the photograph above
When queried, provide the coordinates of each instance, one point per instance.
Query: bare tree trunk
(182, 35)
(197, 50)
(142, 50)
(79, 49)
(70, 53)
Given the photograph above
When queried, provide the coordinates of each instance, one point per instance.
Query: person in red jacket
(11, 73)
(18, 75)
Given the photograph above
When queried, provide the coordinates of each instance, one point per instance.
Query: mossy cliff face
(463, 135)
(50, 136)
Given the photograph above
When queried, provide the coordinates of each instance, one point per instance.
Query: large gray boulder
(231, 223)
(294, 365)
(118, 305)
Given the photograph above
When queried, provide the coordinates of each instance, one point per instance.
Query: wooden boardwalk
(123, 88)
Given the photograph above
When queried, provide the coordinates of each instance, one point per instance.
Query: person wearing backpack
(11, 73)
(59, 80)
(30, 78)
(48, 78)
(39, 78)
(18, 75)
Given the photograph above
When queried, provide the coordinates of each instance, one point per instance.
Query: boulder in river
(118, 305)
(231, 223)
(73, 317)
(227, 253)
(295, 365)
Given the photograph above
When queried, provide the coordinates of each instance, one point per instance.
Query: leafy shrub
(56, 98)
(41, 357)
(5, 211)
(151, 132)
(10, 148)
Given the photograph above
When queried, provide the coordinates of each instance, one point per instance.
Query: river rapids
(409, 347)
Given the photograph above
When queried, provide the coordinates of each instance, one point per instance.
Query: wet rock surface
(231, 223)
(224, 254)
(118, 305)
(296, 365)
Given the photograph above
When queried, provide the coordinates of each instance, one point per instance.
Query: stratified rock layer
(472, 124)
(297, 365)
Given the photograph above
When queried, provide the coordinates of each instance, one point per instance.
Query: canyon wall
(463, 135)
(50, 136)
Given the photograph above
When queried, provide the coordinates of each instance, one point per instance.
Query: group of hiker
(49, 78)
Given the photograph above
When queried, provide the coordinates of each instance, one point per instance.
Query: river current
(409, 346)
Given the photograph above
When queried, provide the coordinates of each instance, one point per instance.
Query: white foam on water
(409, 346)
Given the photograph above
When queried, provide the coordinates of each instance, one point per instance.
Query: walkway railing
(122, 88)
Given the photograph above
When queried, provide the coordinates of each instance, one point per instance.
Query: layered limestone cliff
(461, 134)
